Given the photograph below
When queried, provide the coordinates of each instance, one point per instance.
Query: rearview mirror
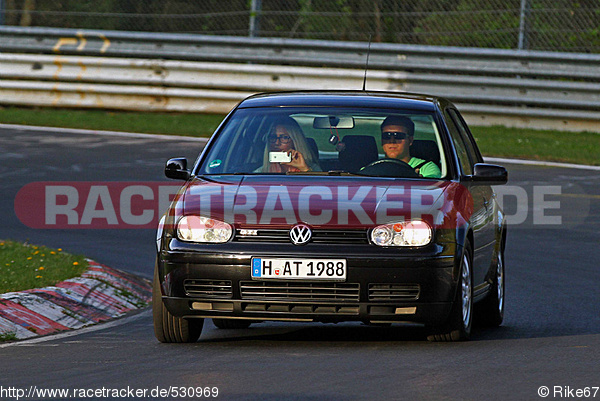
(333, 122)
(489, 174)
(177, 169)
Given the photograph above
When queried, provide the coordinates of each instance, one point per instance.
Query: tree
(479, 23)
(565, 25)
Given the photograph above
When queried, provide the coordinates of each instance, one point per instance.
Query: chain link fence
(551, 25)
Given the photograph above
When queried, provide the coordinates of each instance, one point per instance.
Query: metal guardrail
(148, 71)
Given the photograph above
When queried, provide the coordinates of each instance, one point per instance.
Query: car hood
(320, 201)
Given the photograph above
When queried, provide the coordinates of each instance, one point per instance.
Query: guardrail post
(255, 10)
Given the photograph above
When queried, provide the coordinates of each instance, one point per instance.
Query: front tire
(460, 321)
(490, 311)
(169, 328)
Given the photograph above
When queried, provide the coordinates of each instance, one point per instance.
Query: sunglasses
(283, 138)
(386, 136)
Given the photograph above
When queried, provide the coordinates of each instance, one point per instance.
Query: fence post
(255, 10)
(1, 12)
(523, 25)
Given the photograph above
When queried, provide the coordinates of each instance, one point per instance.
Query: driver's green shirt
(428, 170)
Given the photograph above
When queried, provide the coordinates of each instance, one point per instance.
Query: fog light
(406, 311)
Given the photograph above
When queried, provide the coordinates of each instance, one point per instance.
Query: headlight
(203, 229)
(410, 233)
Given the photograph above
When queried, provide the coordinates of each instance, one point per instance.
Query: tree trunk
(26, 17)
(378, 25)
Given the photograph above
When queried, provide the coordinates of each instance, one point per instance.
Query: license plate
(308, 269)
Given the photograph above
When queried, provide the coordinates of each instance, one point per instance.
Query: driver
(397, 136)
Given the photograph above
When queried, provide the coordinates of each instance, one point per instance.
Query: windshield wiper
(328, 173)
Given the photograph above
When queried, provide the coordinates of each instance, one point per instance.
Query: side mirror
(489, 174)
(177, 169)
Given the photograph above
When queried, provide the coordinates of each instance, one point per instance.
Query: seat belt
(417, 168)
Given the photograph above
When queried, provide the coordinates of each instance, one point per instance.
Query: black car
(329, 207)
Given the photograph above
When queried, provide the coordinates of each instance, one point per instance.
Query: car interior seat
(426, 150)
(359, 151)
(312, 145)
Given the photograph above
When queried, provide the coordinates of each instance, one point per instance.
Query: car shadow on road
(356, 332)
(347, 333)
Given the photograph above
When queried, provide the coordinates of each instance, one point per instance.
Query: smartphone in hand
(279, 157)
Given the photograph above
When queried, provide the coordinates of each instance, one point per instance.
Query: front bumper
(382, 285)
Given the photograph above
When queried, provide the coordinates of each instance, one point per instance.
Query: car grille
(278, 290)
(307, 310)
(208, 288)
(394, 292)
(318, 236)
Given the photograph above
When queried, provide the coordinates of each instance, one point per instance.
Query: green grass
(570, 147)
(560, 146)
(24, 266)
(201, 125)
(8, 336)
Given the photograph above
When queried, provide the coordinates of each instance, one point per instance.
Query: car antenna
(367, 64)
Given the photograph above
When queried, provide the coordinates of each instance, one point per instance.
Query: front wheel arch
(458, 325)
(167, 327)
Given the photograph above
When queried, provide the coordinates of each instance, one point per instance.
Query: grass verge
(8, 336)
(559, 146)
(569, 147)
(200, 125)
(25, 266)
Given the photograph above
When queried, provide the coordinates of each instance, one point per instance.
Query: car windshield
(292, 140)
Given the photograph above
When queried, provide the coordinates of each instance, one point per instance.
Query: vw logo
(300, 234)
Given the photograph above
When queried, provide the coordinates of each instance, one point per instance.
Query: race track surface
(551, 334)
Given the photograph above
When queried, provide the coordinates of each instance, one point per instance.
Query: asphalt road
(551, 334)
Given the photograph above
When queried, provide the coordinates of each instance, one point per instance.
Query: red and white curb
(100, 294)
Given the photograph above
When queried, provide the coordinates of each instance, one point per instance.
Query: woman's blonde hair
(298, 140)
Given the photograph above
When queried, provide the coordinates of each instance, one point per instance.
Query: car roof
(345, 99)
